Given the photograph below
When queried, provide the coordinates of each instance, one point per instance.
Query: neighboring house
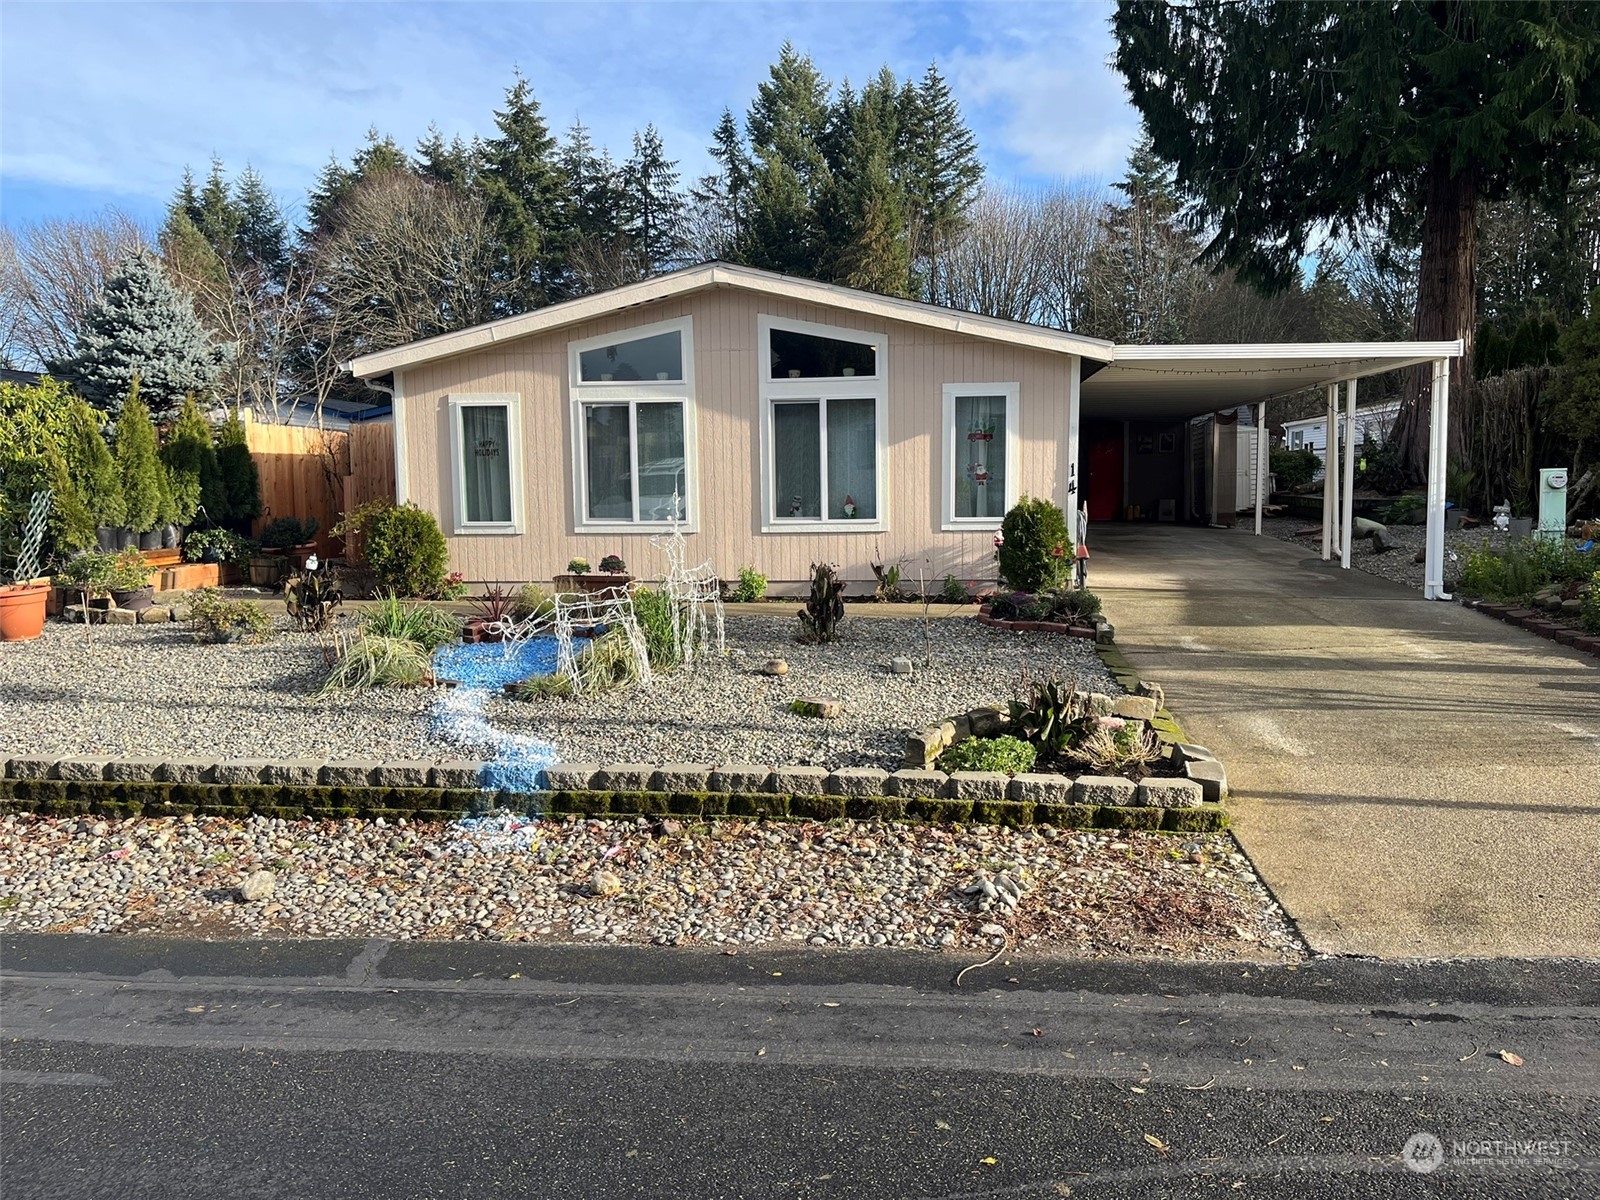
(786, 422)
(1373, 423)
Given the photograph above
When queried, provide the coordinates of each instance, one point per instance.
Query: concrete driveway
(1411, 778)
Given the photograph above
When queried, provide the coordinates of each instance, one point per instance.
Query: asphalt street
(136, 1067)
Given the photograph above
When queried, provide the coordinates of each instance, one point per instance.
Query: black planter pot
(170, 537)
(150, 540)
(135, 601)
(126, 539)
(109, 538)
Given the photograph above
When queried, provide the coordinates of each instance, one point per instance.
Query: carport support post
(1348, 491)
(1438, 448)
(1074, 408)
(1329, 442)
(1261, 459)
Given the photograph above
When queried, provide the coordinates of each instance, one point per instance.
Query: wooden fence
(321, 473)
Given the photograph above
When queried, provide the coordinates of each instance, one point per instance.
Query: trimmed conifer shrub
(406, 550)
(99, 480)
(239, 478)
(189, 459)
(1035, 549)
(143, 489)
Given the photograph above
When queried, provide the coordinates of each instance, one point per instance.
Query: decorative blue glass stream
(513, 762)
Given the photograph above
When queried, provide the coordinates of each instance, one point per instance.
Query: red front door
(1104, 492)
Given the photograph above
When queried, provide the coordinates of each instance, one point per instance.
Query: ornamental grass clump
(1113, 746)
(428, 627)
(374, 660)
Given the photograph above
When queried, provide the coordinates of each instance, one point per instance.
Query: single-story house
(1373, 423)
(783, 422)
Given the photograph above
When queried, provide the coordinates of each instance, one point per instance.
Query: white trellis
(691, 593)
(575, 612)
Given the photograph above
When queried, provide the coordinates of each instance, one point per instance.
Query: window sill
(972, 525)
(805, 527)
(494, 530)
(634, 527)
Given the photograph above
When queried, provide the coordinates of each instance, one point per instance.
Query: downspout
(396, 394)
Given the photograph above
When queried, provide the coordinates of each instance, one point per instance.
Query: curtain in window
(980, 435)
(662, 472)
(486, 462)
(609, 466)
(797, 460)
(852, 459)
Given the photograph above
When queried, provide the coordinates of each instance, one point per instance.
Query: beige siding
(727, 400)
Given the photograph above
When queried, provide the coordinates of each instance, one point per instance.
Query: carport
(1171, 383)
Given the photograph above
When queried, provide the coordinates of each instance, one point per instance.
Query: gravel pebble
(729, 883)
(1398, 565)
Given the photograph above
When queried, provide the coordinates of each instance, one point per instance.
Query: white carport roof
(1170, 382)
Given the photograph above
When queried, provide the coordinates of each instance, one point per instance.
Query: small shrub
(89, 572)
(217, 545)
(454, 586)
(1034, 550)
(953, 591)
(1007, 754)
(1483, 573)
(1019, 606)
(215, 618)
(541, 687)
(1405, 510)
(494, 607)
(751, 587)
(284, 532)
(532, 600)
(405, 550)
(1072, 605)
(608, 663)
(819, 619)
(1590, 613)
(128, 572)
(1294, 469)
(311, 596)
(653, 610)
(612, 564)
(577, 566)
(1558, 560)
(428, 627)
(1383, 467)
(1112, 746)
(374, 661)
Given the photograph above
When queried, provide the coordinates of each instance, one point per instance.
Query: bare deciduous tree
(51, 274)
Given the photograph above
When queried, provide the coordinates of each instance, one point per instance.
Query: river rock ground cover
(151, 691)
(725, 884)
(1398, 565)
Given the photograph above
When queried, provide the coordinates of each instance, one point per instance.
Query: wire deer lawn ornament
(691, 592)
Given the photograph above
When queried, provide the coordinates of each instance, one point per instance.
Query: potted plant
(293, 536)
(128, 581)
(579, 578)
(221, 546)
(22, 601)
(612, 564)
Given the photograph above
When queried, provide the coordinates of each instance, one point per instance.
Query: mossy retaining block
(875, 808)
(1114, 817)
(942, 811)
(817, 808)
(1208, 818)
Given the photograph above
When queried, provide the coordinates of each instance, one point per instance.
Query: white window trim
(512, 402)
(951, 523)
(631, 393)
(855, 387)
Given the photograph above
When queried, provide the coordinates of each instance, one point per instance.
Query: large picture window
(823, 393)
(633, 424)
(486, 455)
(980, 421)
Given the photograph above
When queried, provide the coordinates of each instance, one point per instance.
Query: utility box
(1552, 504)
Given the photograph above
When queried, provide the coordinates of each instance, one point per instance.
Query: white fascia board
(664, 287)
(1412, 351)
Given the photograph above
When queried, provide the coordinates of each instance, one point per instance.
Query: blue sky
(104, 104)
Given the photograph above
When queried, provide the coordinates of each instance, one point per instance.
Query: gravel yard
(1399, 564)
(732, 883)
(727, 711)
(149, 691)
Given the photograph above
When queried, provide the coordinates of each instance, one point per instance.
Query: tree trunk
(1447, 308)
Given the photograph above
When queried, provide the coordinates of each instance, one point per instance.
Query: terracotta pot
(22, 610)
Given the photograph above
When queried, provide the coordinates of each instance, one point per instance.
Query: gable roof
(721, 274)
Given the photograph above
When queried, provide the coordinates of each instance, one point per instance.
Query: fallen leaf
(1137, 1091)
(202, 1008)
(729, 953)
(761, 1052)
(1038, 1032)
(989, 1162)
(515, 975)
(1152, 1140)
(1514, 1059)
(1470, 1057)
(941, 1124)
(776, 974)
(1200, 1087)
(830, 1004)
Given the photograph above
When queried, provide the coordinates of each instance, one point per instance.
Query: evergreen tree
(141, 328)
(189, 257)
(454, 162)
(143, 493)
(97, 478)
(240, 477)
(1284, 120)
(215, 215)
(652, 204)
(191, 462)
(721, 198)
(261, 236)
(381, 155)
(863, 213)
(940, 168)
(787, 126)
(593, 189)
(523, 190)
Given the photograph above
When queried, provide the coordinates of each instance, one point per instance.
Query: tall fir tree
(787, 126)
(939, 169)
(593, 189)
(380, 156)
(215, 215)
(721, 198)
(262, 236)
(142, 328)
(652, 204)
(454, 162)
(522, 187)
